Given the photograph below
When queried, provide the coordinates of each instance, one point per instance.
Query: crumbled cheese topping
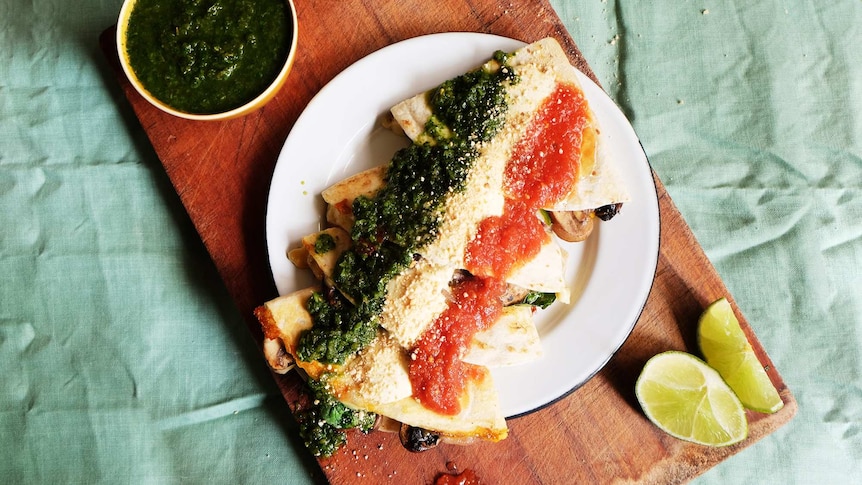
(377, 375)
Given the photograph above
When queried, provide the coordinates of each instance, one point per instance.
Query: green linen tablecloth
(124, 361)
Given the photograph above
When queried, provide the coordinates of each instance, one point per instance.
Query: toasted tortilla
(283, 320)
(480, 416)
(546, 272)
(323, 264)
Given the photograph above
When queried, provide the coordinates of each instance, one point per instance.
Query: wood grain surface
(597, 434)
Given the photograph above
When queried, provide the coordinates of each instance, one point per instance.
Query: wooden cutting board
(598, 434)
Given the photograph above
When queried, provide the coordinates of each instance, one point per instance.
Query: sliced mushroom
(417, 439)
(572, 226)
(278, 358)
(459, 276)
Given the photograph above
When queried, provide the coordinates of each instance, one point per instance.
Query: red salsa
(544, 165)
(467, 477)
(541, 171)
(436, 371)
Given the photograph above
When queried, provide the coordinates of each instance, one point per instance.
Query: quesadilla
(435, 262)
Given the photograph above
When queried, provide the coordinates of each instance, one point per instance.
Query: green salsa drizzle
(407, 210)
(207, 56)
(473, 105)
(324, 244)
(366, 274)
(340, 329)
(321, 425)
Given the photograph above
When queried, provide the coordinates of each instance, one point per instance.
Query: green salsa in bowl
(207, 59)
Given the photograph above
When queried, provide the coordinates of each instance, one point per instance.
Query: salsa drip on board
(543, 168)
(467, 477)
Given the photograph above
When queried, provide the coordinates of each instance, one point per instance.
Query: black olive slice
(417, 439)
(607, 212)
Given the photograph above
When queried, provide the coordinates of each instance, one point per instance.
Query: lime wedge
(728, 351)
(687, 399)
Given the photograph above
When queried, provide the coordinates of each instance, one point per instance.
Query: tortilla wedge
(513, 340)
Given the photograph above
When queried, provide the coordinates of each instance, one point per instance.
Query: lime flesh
(688, 399)
(728, 351)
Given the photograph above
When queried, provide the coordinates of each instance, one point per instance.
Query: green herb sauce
(340, 329)
(405, 214)
(324, 244)
(473, 105)
(321, 425)
(207, 56)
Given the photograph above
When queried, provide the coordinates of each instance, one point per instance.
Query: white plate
(338, 135)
